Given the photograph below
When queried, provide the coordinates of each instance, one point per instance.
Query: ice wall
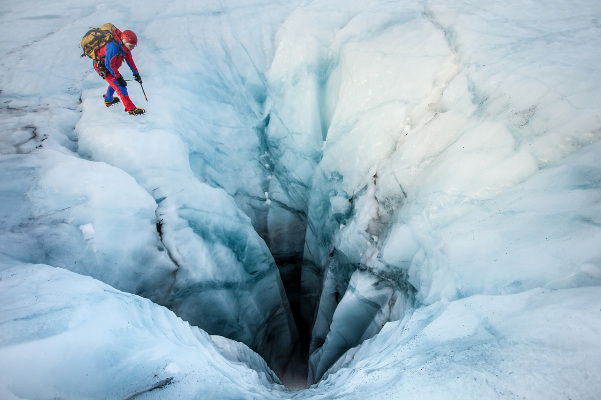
(344, 74)
(458, 155)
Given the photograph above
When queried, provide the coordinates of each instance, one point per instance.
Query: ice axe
(129, 80)
(143, 91)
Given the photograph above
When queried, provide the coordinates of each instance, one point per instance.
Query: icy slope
(147, 226)
(68, 336)
(540, 344)
(442, 157)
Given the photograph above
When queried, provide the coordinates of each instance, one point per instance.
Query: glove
(121, 82)
(138, 78)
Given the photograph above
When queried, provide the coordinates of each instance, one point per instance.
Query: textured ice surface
(539, 344)
(425, 174)
(143, 223)
(460, 157)
(68, 336)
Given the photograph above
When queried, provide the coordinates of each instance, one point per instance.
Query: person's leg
(121, 92)
(109, 93)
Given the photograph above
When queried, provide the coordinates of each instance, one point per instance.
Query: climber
(111, 57)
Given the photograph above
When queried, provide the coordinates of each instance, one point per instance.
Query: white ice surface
(539, 344)
(443, 157)
(72, 337)
(158, 230)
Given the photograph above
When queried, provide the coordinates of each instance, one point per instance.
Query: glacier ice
(397, 199)
(52, 347)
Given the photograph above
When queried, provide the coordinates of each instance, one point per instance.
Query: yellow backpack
(96, 38)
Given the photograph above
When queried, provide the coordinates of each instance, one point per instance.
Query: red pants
(121, 92)
(114, 87)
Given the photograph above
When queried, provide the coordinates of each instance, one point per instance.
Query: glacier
(325, 199)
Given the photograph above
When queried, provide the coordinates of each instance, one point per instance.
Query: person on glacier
(112, 56)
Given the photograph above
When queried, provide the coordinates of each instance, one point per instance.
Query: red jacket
(113, 54)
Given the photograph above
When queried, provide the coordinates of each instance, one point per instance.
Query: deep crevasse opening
(300, 102)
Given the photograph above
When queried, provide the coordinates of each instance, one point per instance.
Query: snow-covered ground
(397, 199)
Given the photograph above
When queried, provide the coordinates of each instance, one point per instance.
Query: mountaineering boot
(137, 111)
(110, 103)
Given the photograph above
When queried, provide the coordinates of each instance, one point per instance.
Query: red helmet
(129, 37)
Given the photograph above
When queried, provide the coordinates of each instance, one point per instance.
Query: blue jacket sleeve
(111, 51)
